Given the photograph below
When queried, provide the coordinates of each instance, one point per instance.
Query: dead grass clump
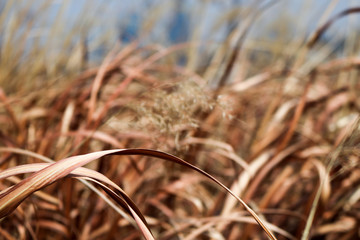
(170, 109)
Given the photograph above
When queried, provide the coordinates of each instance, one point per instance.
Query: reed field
(251, 133)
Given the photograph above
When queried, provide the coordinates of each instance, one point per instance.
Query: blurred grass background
(67, 36)
(227, 85)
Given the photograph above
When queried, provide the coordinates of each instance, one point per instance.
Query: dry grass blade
(11, 198)
(9, 109)
(77, 173)
(128, 204)
(324, 183)
(324, 27)
(97, 84)
(236, 217)
(99, 179)
(80, 170)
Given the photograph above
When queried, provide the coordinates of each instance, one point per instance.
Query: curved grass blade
(90, 186)
(319, 32)
(126, 204)
(87, 174)
(11, 198)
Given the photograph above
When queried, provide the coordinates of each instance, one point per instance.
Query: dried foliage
(284, 138)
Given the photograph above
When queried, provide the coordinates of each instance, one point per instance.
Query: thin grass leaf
(87, 174)
(319, 32)
(10, 199)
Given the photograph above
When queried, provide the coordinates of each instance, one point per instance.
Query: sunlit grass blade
(10, 199)
(99, 179)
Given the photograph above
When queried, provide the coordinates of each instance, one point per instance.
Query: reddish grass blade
(87, 174)
(12, 197)
(130, 206)
(319, 32)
